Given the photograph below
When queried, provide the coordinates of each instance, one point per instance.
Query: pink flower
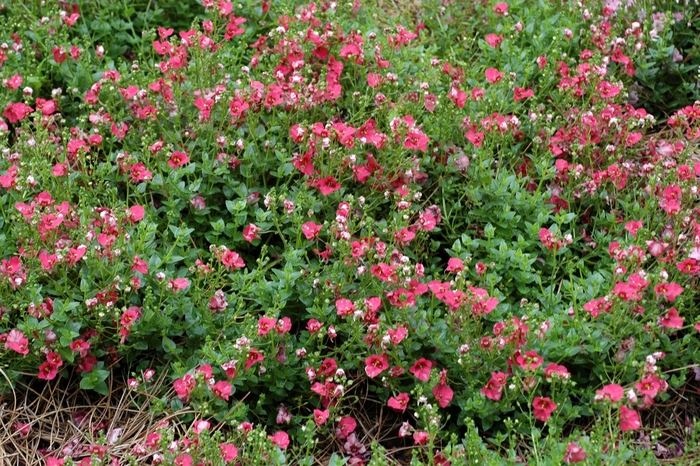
(555, 370)
(529, 361)
(543, 408)
(375, 365)
(200, 426)
(501, 9)
(228, 452)
(17, 342)
(184, 386)
(455, 264)
(47, 371)
(399, 403)
(254, 357)
(397, 336)
(232, 260)
(430, 101)
(218, 302)
(22, 428)
(138, 172)
(320, 417)
(607, 90)
(574, 454)
(632, 139)
(250, 232)
(421, 437)
(311, 230)
(443, 394)
(632, 227)
(612, 392)
(374, 80)
(135, 213)
(649, 386)
(344, 307)
(178, 159)
(346, 426)
(494, 387)
(327, 185)
(421, 369)
(519, 93)
(670, 291)
(458, 96)
(493, 75)
(672, 319)
(81, 346)
(16, 111)
(222, 390)
(178, 284)
(416, 140)
(629, 419)
(494, 40)
(281, 439)
(265, 324)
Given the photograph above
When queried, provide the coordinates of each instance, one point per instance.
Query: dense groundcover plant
(465, 222)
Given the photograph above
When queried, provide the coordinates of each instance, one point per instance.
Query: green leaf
(169, 346)
(337, 460)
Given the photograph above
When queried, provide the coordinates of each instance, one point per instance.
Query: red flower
(399, 403)
(543, 408)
